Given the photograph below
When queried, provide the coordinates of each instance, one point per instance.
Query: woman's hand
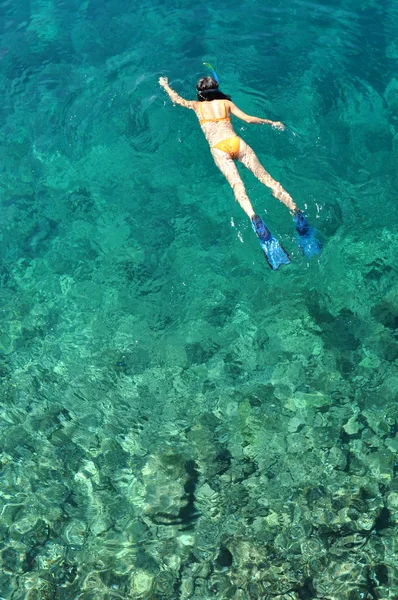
(163, 81)
(278, 125)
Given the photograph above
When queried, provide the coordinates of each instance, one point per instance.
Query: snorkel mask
(214, 74)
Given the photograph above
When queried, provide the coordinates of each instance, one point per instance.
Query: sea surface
(177, 421)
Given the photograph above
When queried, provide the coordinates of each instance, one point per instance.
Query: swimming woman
(214, 109)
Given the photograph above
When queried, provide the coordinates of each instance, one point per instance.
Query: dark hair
(207, 89)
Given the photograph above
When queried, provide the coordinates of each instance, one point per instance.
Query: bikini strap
(227, 115)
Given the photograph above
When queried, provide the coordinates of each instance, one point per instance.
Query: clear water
(177, 421)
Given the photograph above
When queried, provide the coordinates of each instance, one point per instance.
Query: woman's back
(215, 119)
(216, 110)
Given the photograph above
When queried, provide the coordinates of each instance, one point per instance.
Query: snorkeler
(214, 109)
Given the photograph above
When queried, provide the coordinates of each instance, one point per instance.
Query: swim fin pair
(274, 253)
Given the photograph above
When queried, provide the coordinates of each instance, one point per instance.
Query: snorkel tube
(214, 74)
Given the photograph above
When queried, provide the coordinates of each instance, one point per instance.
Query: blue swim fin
(306, 239)
(273, 251)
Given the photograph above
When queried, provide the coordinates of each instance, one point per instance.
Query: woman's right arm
(163, 81)
(248, 119)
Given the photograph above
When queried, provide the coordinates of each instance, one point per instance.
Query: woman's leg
(228, 168)
(248, 157)
(273, 251)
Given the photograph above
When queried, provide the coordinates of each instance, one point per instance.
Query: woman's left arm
(163, 81)
(248, 119)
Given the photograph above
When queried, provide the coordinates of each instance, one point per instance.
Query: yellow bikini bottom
(230, 146)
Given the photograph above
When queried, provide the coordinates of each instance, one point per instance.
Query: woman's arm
(163, 81)
(248, 119)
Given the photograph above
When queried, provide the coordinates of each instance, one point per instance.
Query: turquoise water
(177, 421)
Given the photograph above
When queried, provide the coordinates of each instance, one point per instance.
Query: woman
(214, 109)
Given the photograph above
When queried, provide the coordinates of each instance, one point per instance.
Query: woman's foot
(306, 239)
(274, 253)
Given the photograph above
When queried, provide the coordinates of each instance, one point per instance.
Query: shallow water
(177, 421)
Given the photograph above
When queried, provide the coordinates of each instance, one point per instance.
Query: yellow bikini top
(203, 120)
